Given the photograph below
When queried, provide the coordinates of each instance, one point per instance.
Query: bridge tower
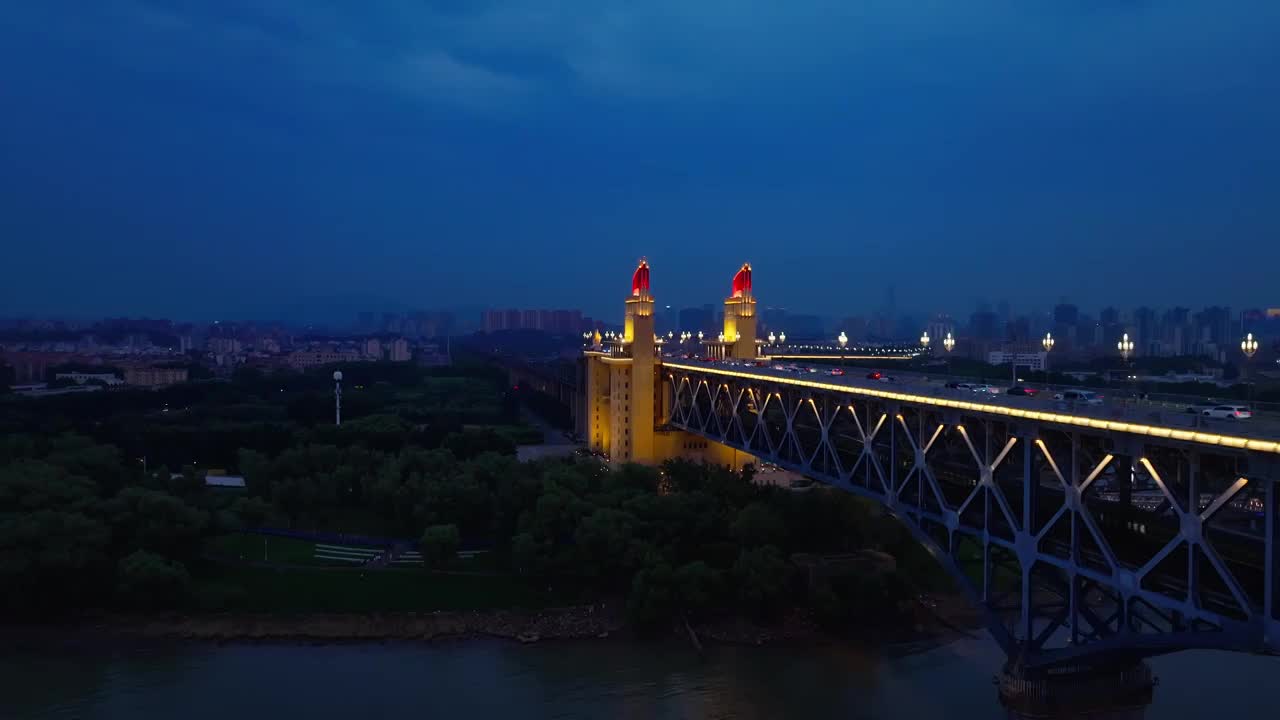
(740, 318)
(620, 381)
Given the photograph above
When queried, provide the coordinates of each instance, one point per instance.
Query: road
(1262, 426)
(554, 443)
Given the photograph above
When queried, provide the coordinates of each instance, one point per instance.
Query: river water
(480, 679)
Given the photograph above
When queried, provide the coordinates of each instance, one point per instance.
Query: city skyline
(255, 162)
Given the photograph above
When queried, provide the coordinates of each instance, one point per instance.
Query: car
(874, 375)
(888, 379)
(984, 389)
(960, 386)
(835, 371)
(1227, 412)
(1086, 397)
(1022, 391)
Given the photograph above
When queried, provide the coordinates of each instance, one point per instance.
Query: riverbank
(594, 621)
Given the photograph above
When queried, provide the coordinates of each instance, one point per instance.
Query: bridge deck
(1124, 417)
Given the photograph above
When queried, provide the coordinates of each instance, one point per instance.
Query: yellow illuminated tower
(620, 381)
(740, 318)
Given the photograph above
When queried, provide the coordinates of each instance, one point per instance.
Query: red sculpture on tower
(640, 280)
(742, 281)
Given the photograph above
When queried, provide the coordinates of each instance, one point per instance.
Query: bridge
(1089, 536)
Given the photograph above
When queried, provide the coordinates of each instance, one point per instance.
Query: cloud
(455, 51)
(440, 76)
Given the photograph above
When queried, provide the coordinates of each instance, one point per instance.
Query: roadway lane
(1123, 410)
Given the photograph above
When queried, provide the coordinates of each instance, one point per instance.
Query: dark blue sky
(241, 158)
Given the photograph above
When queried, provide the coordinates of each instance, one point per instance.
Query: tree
(698, 587)
(762, 576)
(51, 559)
(526, 554)
(155, 521)
(440, 545)
(757, 524)
(602, 539)
(147, 580)
(652, 601)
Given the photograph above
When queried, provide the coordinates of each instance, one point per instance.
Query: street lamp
(337, 397)
(772, 338)
(1047, 342)
(1249, 346)
(843, 340)
(924, 339)
(948, 344)
(1125, 346)
(782, 338)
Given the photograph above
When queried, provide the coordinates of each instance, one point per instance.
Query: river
(480, 679)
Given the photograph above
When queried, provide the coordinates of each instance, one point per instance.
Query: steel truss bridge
(1081, 538)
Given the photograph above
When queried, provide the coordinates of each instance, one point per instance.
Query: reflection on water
(492, 679)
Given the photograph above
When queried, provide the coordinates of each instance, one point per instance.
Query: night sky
(244, 159)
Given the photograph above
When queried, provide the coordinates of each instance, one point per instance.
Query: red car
(1023, 391)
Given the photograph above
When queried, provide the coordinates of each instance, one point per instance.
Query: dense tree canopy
(101, 502)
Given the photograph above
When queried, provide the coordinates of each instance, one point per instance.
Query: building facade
(626, 398)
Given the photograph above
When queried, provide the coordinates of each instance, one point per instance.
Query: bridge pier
(1111, 691)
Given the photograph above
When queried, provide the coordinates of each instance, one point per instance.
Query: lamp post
(782, 338)
(1249, 346)
(1046, 342)
(772, 338)
(1125, 346)
(843, 340)
(948, 344)
(924, 340)
(337, 397)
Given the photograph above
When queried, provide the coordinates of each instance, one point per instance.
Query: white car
(1086, 397)
(1227, 412)
(984, 389)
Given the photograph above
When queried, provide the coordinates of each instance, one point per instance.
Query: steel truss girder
(1101, 605)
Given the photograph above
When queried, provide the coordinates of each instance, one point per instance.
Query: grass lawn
(405, 590)
(264, 547)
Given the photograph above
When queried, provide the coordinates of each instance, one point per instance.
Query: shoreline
(582, 622)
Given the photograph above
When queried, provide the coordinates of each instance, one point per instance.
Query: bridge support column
(1107, 691)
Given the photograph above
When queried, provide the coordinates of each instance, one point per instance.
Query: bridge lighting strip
(839, 357)
(1159, 431)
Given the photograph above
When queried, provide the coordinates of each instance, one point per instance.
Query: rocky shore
(600, 620)
(587, 621)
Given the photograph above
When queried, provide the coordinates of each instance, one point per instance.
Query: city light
(772, 338)
(1047, 342)
(1248, 345)
(1125, 346)
(924, 339)
(782, 338)
(949, 343)
(842, 339)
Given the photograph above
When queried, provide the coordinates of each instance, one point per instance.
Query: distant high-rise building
(982, 325)
(854, 327)
(1018, 330)
(1066, 314)
(398, 350)
(695, 319)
